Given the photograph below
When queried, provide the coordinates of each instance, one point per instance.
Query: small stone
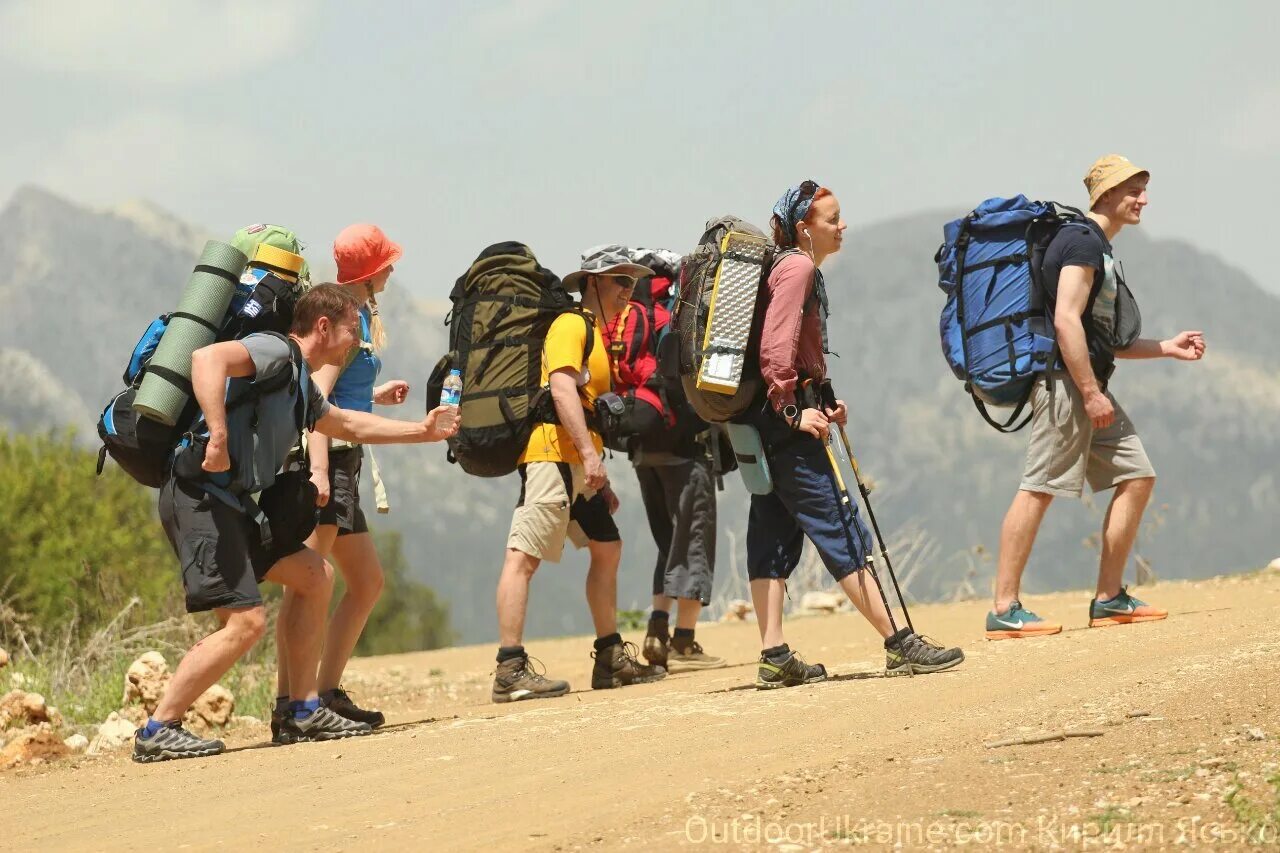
(77, 743)
(1254, 733)
(115, 732)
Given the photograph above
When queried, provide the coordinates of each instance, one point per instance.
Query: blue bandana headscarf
(793, 206)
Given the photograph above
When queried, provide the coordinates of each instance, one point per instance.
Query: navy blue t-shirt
(1078, 246)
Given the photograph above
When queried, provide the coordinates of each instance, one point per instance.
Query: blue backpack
(142, 447)
(997, 324)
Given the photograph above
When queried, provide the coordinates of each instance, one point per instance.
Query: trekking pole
(875, 526)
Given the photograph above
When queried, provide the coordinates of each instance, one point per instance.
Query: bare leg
(687, 617)
(1119, 530)
(513, 595)
(602, 586)
(358, 561)
(320, 541)
(862, 591)
(310, 578)
(663, 603)
(766, 596)
(209, 659)
(1017, 535)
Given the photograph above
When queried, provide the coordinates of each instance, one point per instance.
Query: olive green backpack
(503, 307)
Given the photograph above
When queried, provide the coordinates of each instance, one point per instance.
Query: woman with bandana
(793, 426)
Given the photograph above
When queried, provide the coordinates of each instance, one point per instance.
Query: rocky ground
(1166, 735)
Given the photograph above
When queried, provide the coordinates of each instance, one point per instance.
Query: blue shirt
(354, 388)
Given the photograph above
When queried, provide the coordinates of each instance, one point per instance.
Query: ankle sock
(153, 725)
(506, 653)
(902, 634)
(660, 616)
(684, 636)
(603, 643)
(303, 708)
(282, 704)
(777, 654)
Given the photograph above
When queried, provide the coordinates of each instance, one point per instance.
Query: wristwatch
(792, 415)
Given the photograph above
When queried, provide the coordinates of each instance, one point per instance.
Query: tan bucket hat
(1109, 172)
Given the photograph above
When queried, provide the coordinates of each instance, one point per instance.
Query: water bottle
(451, 393)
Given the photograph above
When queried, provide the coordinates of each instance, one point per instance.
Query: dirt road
(702, 760)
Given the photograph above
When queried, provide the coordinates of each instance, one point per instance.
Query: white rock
(145, 681)
(1274, 565)
(737, 610)
(4, 658)
(77, 743)
(822, 602)
(114, 733)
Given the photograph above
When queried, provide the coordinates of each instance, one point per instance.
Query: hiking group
(250, 408)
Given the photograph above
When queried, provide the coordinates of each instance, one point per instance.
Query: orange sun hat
(362, 251)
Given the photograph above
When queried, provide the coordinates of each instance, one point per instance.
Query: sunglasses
(807, 190)
(623, 281)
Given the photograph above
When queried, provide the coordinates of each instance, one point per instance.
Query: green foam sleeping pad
(166, 386)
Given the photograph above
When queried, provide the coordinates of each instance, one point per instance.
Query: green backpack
(251, 236)
(503, 307)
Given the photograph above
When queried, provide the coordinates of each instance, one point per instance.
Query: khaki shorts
(1066, 450)
(555, 505)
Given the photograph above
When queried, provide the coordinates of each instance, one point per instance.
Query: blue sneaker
(1122, 610)
(1018, 622)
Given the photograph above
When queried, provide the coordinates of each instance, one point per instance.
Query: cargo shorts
(555, 505)
(1065, 450)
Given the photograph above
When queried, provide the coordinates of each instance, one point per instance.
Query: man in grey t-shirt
(222, 555)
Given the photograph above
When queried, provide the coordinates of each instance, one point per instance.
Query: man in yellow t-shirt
(565, 490)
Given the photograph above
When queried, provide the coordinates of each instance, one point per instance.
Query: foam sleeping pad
(166, 386)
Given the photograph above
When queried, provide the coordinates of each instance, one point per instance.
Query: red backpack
(643, 360)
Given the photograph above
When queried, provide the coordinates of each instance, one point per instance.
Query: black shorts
(218, 548)
(343, 508)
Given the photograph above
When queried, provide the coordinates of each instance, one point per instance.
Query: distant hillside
(80, 285)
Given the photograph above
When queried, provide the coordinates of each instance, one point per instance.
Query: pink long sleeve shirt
(791, 336)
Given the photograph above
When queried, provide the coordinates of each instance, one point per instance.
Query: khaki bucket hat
(1109, 172)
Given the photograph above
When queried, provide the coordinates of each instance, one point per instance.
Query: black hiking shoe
(917, 655)
(657, 645)
(337, 701)
(321, 724)
(173, 741)
(617, 666)
(517, 679)
(792, 672)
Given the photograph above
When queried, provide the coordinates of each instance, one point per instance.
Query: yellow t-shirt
(565, 343)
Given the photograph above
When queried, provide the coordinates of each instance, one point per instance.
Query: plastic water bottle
(451, 393)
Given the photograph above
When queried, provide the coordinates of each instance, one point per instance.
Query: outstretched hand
(1185, 346)
(441, 423)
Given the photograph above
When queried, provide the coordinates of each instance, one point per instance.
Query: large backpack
(997, 324)
(719, 350)
(143, 447)
(503, 306)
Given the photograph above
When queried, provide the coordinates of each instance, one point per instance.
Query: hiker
(219, 534)
(1079, 431)
(365, 258)
(565, 492)
(793, 424)
(671, 452)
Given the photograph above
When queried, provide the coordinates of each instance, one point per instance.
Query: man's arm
(318, 444)
(564, 395)
(367, 428)
(1184, 346)
(1074, 286)
(211, 367)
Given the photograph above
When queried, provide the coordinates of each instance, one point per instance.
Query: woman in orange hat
(365, 258)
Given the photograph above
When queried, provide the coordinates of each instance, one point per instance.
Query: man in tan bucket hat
(1079, 432)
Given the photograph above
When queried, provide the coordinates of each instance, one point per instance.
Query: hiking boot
(173, 741)
(1122, 610)
(792, 672)
(684, 658)
(516, 679)
(617, 666)
(339, 702)
(914, 654)
(1018, 622)
(321, 724)
(657, 646)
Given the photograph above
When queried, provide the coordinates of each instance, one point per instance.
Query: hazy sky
(566, 124)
